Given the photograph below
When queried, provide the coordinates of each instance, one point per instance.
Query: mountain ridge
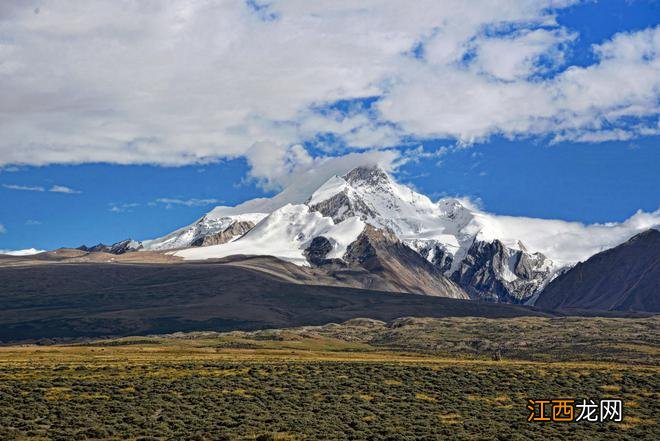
(492, 257)
(624, 278)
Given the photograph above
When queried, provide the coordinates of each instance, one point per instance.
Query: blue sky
(497, 134)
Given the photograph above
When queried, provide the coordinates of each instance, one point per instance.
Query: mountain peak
(367, 174)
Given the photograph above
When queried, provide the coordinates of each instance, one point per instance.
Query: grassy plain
(345, 381)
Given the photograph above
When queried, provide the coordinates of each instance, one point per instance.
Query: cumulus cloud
(521, 54)
(182, 82)
(567, 242)
(575, 104)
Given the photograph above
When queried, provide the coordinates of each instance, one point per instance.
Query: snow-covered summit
(375, 197)
(504, 257)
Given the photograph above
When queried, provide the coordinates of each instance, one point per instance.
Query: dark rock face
(99, 248)
(340, 207)
(363, 250)
(437, 256)
(377, 259)
(624, 278)
(380, 252)
(238, 228)
(491, 271)
(124, 247)
(478, 272)
(317, 250)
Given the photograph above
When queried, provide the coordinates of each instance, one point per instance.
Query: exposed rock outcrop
(120, 247)
(491, 271)
(235, 230)
(317, 251)
(340, 207)
(381, 261)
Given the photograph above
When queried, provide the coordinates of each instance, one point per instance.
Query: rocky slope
(234, 230)
(386, 264)
(87, 300)
(208, 230)
(491, 271)
(624, 278)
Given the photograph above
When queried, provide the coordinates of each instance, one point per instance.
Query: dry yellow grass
(174, 353)
(375, 387)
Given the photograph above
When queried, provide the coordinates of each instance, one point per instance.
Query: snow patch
(332, 187)
(285, 234)
(207, 225)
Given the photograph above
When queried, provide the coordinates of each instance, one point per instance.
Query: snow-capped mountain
(499, 258)
(448, 234)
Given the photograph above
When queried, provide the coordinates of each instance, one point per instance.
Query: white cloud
(170, 202)
(126, 207)
(23, 187)
(305, 180)
(25, 252)
(567, 242)
(63, 189)
(468, 106)
(53, 189)
(178, 82)
(517, 56)
(32, 222)
(2, 229)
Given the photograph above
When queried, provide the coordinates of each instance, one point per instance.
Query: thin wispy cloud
(32, 222)
(23, 187)
(63, 189)
(38, 188)
(2, 229)
(123, 208)
(170, 202)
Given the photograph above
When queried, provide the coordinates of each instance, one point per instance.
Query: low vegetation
(621, 340)
(313, 383)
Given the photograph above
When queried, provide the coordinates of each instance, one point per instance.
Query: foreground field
(175, 393)
(299, 384)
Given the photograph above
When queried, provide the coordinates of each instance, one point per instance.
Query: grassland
(351, 381)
